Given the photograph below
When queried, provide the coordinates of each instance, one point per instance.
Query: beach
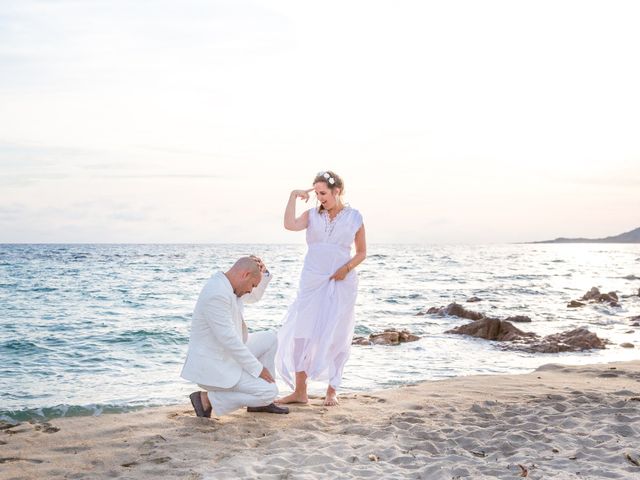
(556, 422)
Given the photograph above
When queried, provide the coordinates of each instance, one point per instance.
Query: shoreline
(554, 422)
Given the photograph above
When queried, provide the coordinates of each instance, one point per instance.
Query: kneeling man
(236, 369)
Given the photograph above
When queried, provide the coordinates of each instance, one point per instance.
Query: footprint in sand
(157, 461)
(46, 428)
(73, 450)
(19, 459)
(371, 398)
(10, 429)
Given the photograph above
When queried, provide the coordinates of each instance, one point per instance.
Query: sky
(191, 121)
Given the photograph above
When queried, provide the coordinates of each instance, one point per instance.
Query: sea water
(86, 329)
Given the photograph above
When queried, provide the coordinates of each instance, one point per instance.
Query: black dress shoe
(271, 408)
(196, 401)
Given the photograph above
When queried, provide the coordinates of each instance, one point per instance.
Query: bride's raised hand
(302, 194)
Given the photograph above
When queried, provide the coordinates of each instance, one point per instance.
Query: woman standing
(315, 339)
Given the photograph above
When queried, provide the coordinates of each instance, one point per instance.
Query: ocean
(87, 329)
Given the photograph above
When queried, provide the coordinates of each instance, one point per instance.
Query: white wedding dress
(317, 330)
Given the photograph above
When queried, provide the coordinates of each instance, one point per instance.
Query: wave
(21, 346)
(164, 337)
(47, 413)
(43, 289)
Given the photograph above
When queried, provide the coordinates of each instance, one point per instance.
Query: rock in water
(406, 336)
(388, 337)
(575, 340)
(458, 310)
(385, 338)
(518, 319)
(575, 304)
(595, 295)
(591, 294)
(492, 329)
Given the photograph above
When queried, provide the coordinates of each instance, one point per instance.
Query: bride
(315, 338)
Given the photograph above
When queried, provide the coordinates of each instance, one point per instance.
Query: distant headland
(628, 237)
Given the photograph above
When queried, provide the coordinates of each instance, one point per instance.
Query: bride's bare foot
(331, 400)
(295, 397)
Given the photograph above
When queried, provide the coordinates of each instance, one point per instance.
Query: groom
(234, 368)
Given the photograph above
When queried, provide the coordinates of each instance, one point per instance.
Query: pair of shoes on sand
(196, 401)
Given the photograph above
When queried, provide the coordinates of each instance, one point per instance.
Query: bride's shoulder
(355, 213)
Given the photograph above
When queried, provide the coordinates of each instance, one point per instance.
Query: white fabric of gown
(317, 329)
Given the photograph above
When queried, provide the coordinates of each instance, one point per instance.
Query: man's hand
(261, 265)
(266, 376)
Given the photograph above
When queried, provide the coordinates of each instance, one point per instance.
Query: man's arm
(256, 294)
(220, 320)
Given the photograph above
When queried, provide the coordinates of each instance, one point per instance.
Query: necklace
(329, 224)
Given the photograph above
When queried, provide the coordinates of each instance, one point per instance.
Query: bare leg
(299, 395)
(331, 399)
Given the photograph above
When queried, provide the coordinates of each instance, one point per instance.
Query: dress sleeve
(356, 221)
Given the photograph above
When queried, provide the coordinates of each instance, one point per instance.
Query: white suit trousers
(249, 391)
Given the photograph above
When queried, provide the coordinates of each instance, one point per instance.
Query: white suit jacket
(217, 353)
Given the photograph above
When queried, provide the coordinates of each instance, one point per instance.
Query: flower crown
(329, 178)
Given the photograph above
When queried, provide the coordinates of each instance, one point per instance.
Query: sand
(557, 422)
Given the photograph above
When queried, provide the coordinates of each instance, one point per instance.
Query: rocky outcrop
(518, 319)
(504, 331)
(492, 329)
(387, 337)
(501, 330)
(575, 304)
(575, 340)
(595, 296)
(457, 310)
(473, 299)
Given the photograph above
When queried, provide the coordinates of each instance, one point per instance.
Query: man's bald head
(244, 275)
(247, 264)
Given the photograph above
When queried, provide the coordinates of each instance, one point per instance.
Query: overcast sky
(191, 121)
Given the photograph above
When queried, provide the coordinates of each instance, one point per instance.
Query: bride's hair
(332, 180)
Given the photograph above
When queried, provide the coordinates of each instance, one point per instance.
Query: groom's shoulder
(218, 282)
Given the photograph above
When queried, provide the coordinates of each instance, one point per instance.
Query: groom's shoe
(196, 401)
(271, 408)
